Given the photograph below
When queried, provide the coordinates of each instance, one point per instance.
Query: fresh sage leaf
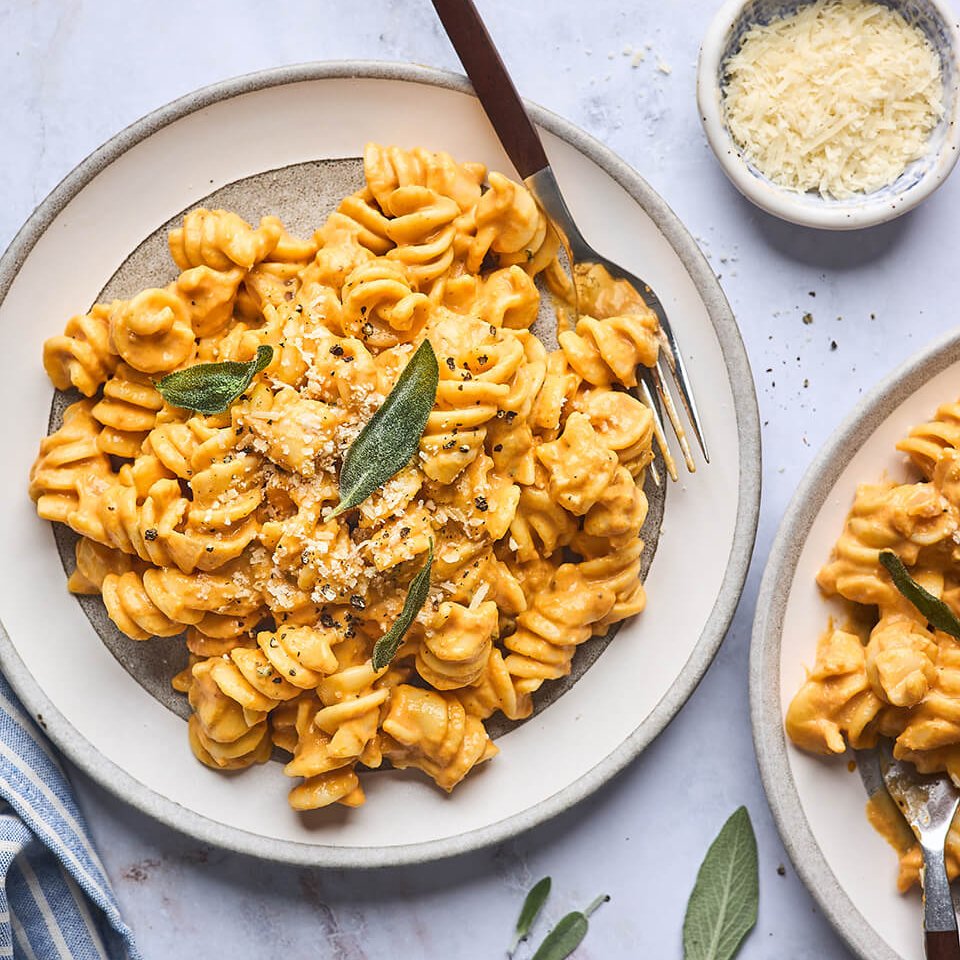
(387, 646)
(722, 908)
(212, 387)
(531, 908)
(568, 934)
(934, 609)
(391, 436)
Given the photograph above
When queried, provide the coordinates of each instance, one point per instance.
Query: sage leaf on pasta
(934, 609)
(532, 905)
(568, 934)
(722, 908)
(387, 646)
(212, 387)
(391, 436)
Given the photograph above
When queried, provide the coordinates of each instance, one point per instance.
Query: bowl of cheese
(837, 114)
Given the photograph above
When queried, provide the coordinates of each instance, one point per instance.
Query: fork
(928, 804)
(499, 98)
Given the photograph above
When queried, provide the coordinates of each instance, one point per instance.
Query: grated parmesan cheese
(837, 98)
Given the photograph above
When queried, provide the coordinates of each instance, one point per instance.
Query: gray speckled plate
(284, 141)
(819, 804)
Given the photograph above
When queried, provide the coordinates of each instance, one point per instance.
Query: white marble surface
(77, 71)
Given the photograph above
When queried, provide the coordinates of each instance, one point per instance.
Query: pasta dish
(889, 671)
(523, 501)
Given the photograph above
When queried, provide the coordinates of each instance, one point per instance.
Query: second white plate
(820, 804)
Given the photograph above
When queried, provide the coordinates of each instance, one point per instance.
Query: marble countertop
(77, 71)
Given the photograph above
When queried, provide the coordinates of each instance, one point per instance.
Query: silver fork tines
(653, 385)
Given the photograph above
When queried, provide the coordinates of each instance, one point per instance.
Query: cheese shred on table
(838, 98)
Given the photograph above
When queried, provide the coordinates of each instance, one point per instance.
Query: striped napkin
(55, 898)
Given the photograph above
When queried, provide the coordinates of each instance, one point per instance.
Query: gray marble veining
(76, 71)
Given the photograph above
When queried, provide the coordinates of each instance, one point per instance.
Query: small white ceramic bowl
(937, 21)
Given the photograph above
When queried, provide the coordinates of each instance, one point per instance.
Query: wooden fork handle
(942, 945)
(939, 916)
(494, 88)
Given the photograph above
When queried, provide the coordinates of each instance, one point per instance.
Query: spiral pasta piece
(127, 411)
(609, 351)
(381, 306)
(68, 458)
(94, 563)
(433, 732)
(422, 229)
(389, 168)
(223, 735)
(161, 602)
(927, 441)
(152, 332)
(83, 357)
(327, 779)
(623, 424)
(509, 223)
(559, 617)
(457, 644)
(210, 296)
(904, 519)
(221, 240)
(901, 658)
(495, 691)
(836, 703)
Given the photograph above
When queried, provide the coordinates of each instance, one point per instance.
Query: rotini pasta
(526, 488)
(898, 676)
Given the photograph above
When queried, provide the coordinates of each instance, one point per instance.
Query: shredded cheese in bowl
(837, 98)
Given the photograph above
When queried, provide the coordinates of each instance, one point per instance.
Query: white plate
(819, 804)
(118, 733)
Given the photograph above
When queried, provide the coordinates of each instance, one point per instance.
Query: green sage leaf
(568, 934)
(722, 908)
(934, 609)
(387, 646)
(531, 908)
(391, 436)
(212, 387)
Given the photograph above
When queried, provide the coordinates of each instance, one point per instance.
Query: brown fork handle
(942, 945)
(498, 96)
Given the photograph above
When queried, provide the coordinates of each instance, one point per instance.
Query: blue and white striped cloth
(55, 898)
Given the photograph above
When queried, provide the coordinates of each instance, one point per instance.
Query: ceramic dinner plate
(819, 804)
(286, 141)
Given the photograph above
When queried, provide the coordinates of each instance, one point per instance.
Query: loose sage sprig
(391, 436)
(387, 646)
(722, 908)
(212, 387)
(934, 609)
(531, 908)
(569, 932)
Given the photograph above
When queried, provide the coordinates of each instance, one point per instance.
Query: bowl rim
(787, 204)
(122, 784)
(766, 713)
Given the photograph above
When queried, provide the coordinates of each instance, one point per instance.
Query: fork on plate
(928, 804)
(519, 138)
